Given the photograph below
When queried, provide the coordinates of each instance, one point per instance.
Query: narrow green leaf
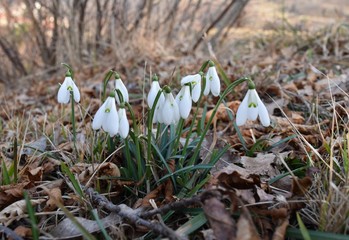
(31, 213)
(302, 227)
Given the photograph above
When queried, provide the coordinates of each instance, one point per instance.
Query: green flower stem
(149, 138)
(73, 118)
(136, 133)
(178, 134)
(203, 135)
(69, 69)
(105, 82)
(193, 122)
(130, 165)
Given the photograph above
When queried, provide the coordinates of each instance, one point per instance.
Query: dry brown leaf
(55, 195)
(264, 164)
(86, 171)
(23, 231)
(222, 224)
(300, 186)
(280, 231)
(245, 227)
(11, 193)
(236, 180)
(68, 230)
(15, 210)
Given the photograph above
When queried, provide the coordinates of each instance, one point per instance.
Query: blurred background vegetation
(37, 35)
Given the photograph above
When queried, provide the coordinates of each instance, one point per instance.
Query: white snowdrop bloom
(213, 83)
(184, 101)
(195, 81)
(157, 118)
(169, 111)
(120, 86)
(154, 89)
(107, 117)
(124, 126)
(64, 91)
(250, 108)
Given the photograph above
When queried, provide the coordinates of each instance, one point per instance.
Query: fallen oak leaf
(300, 186)
(11, 193)
(23, 231)
(55, 195)
(246, 229)
(280, 231)
(16, 210)
(222, 224)
(68, 230)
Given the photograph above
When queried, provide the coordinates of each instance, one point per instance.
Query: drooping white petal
(76, 93)
(99, 116)
(184, 102)
(252, 104)
(124, 126)
(189, 79)
(263, 113)
(63, 93)
(241, 114)
(196, 91)
(215, 83)
(169, 111)
(155, 87)
(157, 116)
(111, 120)
(121, 86)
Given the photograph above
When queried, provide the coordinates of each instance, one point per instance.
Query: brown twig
(132, 216)
(171, 206)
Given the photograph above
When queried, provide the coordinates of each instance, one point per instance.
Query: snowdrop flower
(119, 85)
(157, 112)
(107, 117)
(154, 89)
(169, 111)
(251, 107)
(195, 81)
(64, 91)
(212, 81)
(124, 127)
(184, 101)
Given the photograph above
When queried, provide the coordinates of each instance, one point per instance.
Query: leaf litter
(241, 187)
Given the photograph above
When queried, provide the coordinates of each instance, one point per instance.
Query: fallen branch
(131, 215)
(183, 203)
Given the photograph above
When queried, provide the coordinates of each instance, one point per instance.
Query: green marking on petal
(70, 88)
(181, 98)
(252, 104)
(211, 78)
(107, 110)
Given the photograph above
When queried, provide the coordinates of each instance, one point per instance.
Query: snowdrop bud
(122, 88)
(107, 117)
(155, 88)
(124, 126)
(213, 83)
(195, 81)
(64, 91)
(169, 111)
(251, 107)
(184, 101)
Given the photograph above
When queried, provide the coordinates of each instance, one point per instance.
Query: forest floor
(288, 180)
